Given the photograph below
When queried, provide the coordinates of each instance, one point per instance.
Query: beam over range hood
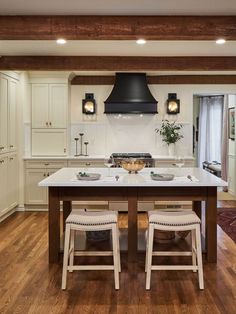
(130, 94)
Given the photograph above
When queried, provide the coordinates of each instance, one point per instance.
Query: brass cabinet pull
(2, 147)
(48, 174)
(64, 150)
(88, 164)
(11, 158)
(44, 174)
(50, 123)
(46, 123)
(11, 146)
(46, 164)
(1, 161)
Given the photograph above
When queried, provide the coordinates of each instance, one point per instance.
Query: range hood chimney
(130, 94)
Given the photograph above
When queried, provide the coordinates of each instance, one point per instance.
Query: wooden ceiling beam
(117, 27)
(103, 63)
(154, 79)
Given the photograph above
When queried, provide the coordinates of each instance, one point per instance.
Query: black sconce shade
(89, 104)
(173, 104)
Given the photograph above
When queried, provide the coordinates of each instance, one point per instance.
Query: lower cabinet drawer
(53, 164)
(86, 164)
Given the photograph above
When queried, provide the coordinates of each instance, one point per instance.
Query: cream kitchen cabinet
(36, 171)
(8, 111)
(3, 114)
(49, 142)
(12, 118)
(49, 106)
(13, 181)
(3, 185)
(9, 183)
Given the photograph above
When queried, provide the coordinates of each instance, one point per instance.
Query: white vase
(171, 149)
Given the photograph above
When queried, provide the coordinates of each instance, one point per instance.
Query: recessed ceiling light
(61, 41)
(140, 41)
(220, 41)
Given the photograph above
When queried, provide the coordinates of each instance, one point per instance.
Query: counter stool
(91, 221)
(174, 221)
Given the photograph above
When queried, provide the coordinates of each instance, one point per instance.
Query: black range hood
(130, 94)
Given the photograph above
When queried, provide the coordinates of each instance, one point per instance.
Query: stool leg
(146, 251)
(199, 257)
(118, 247)
(115, 256)
(193, 236)
(149, 256)
(65, 258)
(72, 249)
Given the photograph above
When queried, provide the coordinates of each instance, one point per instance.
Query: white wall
(132, 133)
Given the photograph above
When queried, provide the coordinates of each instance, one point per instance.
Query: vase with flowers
(170, 133)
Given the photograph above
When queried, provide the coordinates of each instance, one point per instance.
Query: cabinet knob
(48, 174)
(64, 150)
(46, 164)
(11, 146)
(88, 164)
(1, 161)
(50, 123)
(2, 147)
(11, 158)
(44, 174)
(46, 123)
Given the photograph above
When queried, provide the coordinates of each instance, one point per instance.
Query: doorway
(213, 135)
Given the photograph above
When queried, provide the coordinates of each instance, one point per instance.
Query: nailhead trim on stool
(174, 221)
(91, 221)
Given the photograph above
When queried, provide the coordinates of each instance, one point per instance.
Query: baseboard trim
(6, 215)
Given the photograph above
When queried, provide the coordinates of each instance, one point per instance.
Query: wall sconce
(173, 104)
(89, 104)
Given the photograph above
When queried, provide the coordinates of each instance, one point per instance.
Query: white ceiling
(121, 7)
(116, 48)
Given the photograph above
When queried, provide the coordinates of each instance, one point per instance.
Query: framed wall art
(232, 123)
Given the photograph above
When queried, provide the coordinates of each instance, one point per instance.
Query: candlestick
(81, 144)
(86, 148)
(76, 146)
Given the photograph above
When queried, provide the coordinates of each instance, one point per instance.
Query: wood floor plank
(28, 284)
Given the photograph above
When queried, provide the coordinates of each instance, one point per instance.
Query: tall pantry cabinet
(9, 184)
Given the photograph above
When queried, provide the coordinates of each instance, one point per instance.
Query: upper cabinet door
(40, 105)
(58, 106)
(12, 126)
(3, 114)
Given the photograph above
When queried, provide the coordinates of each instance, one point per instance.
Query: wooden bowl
(133, 165)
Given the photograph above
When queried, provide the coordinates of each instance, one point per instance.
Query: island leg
(54, 225)
(197, 208)
(66, 212)
(132, 227)
(211, 224)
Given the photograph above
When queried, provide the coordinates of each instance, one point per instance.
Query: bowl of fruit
(132, 165)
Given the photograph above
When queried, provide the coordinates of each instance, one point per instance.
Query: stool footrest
(90, 267)
(93, 253)
(166, 253)
(174, 267)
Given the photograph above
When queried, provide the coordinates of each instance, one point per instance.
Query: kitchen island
(191, 184)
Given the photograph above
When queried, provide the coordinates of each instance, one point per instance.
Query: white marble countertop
(159, 157)
(67, 177)
(64, 157)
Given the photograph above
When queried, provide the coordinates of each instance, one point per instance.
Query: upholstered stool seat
(174, 221)
(164, 219)
(83, 218)
(91, 221)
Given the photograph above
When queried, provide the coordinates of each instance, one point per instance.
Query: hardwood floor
(29, 285)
